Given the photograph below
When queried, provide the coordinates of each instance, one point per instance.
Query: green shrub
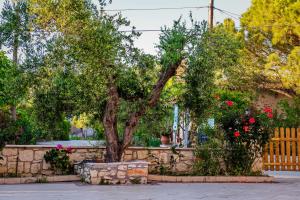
(209, 154)
(246, 131)
(8, 128)
(59, 160)
(238, 139)
(291, 113)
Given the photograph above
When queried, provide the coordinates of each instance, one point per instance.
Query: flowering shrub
(59, 159)
(246, 131)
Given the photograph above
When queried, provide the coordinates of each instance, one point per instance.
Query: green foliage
(209, 154)
(14, 24)
(271, 36)
(215, 50)
(59, 160)
(291, 114)
(246, 132)
(238, 138)
(11, 88)
(42, 180)
(7, 129)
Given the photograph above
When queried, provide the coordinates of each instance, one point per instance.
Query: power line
(227, 11)
(150, 9)
(224, 12)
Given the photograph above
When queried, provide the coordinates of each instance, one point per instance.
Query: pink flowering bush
(59, 159)
(246, 131)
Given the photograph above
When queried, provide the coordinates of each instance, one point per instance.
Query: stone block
(113, 172)
(181, 167)
(103, 173)
(142, 154)
(95, 181)
(27, 167)
(20, 167)
(127, 157)
(35, 168)
(47, 172)
(46, 165)
(39, 155)
(3, 169)
(137, 172)
(3, 161)
(12, 180)
(12, 158)
(9, 152)
(94, 173)
(11, 167)
(121, 174)
(76, 157)
(164, 157)
(26, 155)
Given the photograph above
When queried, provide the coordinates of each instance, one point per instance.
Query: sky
(155, 19)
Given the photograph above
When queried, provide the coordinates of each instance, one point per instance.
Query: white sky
(155, 19)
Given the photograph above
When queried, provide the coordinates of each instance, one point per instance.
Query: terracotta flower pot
(165, 139)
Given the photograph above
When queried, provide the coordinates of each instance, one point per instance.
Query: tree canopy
(272, 45)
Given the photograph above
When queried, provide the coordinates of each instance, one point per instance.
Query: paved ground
(288, 189)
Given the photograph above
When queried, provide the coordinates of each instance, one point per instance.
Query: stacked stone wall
(135, 172)
(28, 160)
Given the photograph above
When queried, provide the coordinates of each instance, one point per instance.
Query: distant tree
(272, 45)
(14, 29)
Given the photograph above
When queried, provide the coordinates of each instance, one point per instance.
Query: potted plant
(165, 136)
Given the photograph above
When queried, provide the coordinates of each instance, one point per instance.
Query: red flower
(268, 110)
(246, 128)
(252, 120)
(270, 115)
(59, 147)
(236, 134)
(229, 103)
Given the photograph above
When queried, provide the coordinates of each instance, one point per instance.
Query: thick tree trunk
(134, 118)
(113, 146)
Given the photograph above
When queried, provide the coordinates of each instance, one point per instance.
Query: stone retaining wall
(135, 172)
(28, 160)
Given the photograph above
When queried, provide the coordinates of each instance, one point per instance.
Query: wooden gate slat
(288, 148)
(282, 145)
(294, 167)
(283, 150)
(271, 155)
(277, 149)
(266, 157)
(298, 147)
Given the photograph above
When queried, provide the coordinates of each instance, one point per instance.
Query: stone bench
(133, 172)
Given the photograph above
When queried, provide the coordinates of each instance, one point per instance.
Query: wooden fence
(283, 151)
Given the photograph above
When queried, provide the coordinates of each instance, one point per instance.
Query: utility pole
(211, 14)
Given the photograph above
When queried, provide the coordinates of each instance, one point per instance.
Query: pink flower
(252, 120)
(236, 134)
(59, 147)
(69, 149)
(229, 103)
(270, 115)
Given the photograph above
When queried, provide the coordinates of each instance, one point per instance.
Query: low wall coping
(211, 179)
(94, 164)
(96, 147)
